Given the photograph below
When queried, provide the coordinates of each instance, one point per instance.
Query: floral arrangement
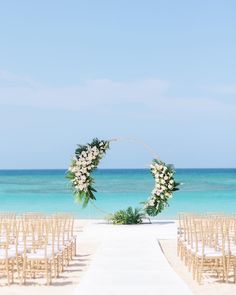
(85, 161)
(165, 185)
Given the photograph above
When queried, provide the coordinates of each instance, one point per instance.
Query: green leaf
(93, 189)
(79, 197)
(86, 200)
(175, 189)
(128, 216)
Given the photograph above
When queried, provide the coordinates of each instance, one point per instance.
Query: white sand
(130, 261)
(91, 240)
(209, 286)
(68, 280)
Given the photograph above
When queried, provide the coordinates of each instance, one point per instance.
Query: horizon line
(120, 168)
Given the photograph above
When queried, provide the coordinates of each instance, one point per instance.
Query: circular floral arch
(86, 160)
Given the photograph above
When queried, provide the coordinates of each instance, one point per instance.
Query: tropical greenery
(85, 161)
(128, 216)
(165, 185)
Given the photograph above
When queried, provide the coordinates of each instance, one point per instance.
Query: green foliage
(165, 185)
(128, 216)
(154, 211)
(86, 161)
(80, 175)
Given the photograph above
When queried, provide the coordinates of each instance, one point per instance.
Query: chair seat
(10, 254)
(39, 255)
(210, 254)
(20, 250)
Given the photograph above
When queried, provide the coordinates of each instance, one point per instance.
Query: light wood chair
(34, 245)
(39, 260)
(7, 255)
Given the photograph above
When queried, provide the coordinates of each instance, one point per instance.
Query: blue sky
(160, 71)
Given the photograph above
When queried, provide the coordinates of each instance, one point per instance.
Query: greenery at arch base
(86, 160)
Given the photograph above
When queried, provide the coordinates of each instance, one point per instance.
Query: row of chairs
(207, 245)
(33, 244)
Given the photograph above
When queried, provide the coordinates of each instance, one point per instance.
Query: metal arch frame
(138, 141)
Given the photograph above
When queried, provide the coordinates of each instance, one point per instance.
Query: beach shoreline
(70, 278)
(91, 234)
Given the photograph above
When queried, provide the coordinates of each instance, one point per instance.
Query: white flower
(151, 203)
(96, 153)
(168, 195)
(83, 177)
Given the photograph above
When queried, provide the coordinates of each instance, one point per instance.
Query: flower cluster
(85, 161)
(164, 187)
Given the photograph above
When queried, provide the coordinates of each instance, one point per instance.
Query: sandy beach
(93, 237)
(68, 280)
(117, 154)
(209, 286)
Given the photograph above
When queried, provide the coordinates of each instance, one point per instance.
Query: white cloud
(222, 89)
(178, 126)
(15, 80)
(90, 93)
(144, 98)
(4, 75)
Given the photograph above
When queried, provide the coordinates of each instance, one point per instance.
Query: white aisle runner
(130, 261)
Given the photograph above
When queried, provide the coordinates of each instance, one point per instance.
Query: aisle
(130, 261)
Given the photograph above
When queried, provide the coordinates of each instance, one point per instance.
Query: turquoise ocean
(202, 190)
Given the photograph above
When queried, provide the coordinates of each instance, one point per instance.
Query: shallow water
(203, 190)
